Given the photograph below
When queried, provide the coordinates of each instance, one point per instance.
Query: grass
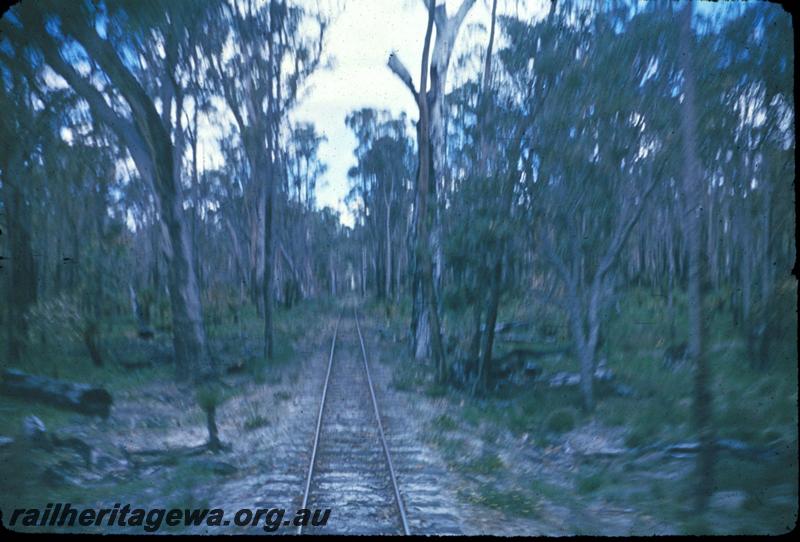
(548, 490)
(487, 463)
(757, 406)
(435, 390)
(253, 417)
(254, 422)
(452, 448)
(74, 365)
(408, 376)
(561, 420)
(510, 501)
(444, 422)
(589, 483)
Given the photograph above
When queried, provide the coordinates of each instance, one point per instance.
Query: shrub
(561, 421)
(55, 323)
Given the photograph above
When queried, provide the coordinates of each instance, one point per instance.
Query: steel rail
(319, 420)
(398, 498)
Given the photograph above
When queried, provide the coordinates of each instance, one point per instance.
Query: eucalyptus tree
(588, 191)
(692, 199)
(737, 148)
(21, 127)
(304, 170)
(128, 42)
(747, 145)
(436, 62)
(425, 320)
(56, 159)
(382, 178)
(265, 54)
(489, 126)
(447, 31)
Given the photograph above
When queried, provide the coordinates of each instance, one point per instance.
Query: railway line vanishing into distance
(352, 468)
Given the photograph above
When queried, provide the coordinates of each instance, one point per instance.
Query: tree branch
(458, 18)
(397, 67)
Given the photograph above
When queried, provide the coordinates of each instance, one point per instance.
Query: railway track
(351, 470)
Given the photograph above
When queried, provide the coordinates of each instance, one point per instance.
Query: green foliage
(513, 501)
(254, 418)
(436, 390)
(209, 396)
(488, 463)
(444, 422)
(54, 324)
(591, 483)
(560, 421)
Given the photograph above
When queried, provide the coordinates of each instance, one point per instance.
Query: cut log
(82, 398)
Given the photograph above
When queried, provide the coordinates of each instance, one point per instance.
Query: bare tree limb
(463, 9)
(397, 67)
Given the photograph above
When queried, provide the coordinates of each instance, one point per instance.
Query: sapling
(209, 397)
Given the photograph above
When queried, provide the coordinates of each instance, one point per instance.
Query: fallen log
(169, 457)
(735, 447)
(35, 435)
(514, 361)
(525, 344)
(82, 398)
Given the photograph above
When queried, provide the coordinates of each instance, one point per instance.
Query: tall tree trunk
(269, 348)
(693, 197)
(583, 345)
(766, 260)
(388, 270)
(491, 320)
(447, 29)
(425, 177)
(333, 274)
(363, 269)
(497, 255)
(259, 254)
(475, 342)
(397, 274)
(22, 283)
(746, 278)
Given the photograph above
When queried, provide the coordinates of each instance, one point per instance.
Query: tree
(447, 28)
(259, 94)
(692, 201)
(20, 128)
(425, 176)
(382, 176)
(146, 136)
